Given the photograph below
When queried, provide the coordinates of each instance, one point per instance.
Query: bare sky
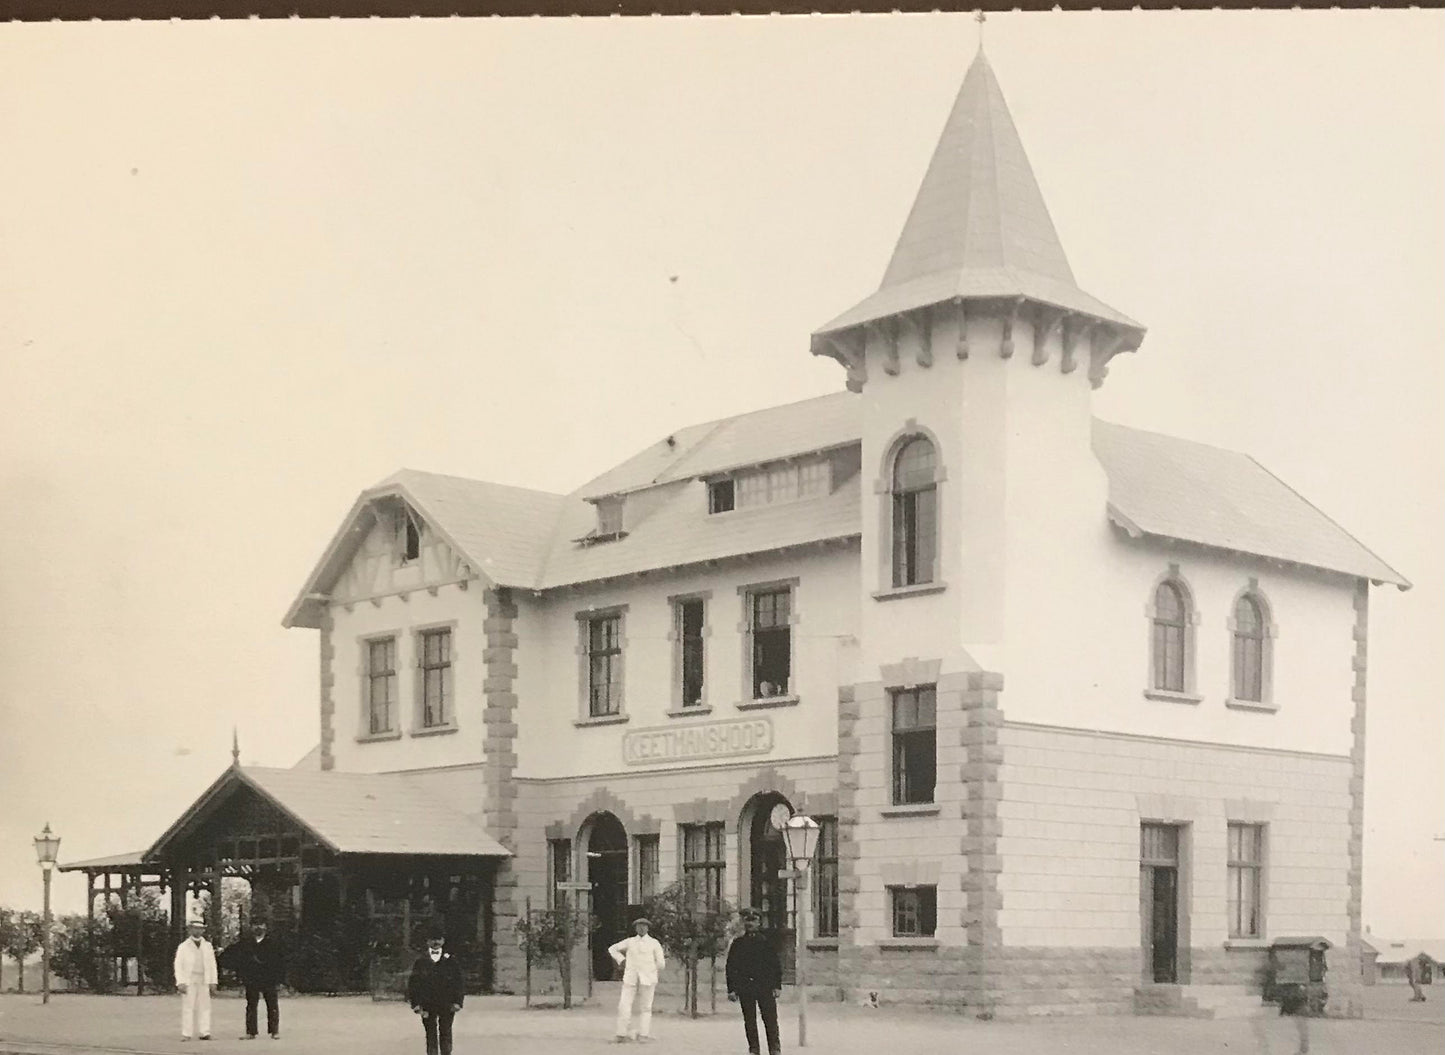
(248, 269)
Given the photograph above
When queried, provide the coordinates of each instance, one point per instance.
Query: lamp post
(47, 846)
(801, 835)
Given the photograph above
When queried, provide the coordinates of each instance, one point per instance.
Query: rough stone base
(994, 983)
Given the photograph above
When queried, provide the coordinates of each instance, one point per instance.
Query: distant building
(1395, 954)
(1080, 708)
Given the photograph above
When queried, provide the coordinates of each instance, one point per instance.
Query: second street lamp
(47, 848)
(801, 835)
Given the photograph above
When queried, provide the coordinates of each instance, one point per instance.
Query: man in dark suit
(434, 992)
(755, 981)
(259, 963)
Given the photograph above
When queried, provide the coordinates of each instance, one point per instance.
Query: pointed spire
(979, 205)
(235, 747)
(979, 228)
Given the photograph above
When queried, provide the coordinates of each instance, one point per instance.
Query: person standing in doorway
(196, 978)
(755, 981)
(435, 992)
(641, 959)
(258, 962)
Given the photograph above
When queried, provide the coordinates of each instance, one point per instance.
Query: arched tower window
(1170, 637)
(914, 487)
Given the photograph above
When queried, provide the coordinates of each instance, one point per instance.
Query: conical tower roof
(979, 227)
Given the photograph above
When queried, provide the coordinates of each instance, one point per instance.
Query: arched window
(1171, 630)
(914, 487)
(1249, 650)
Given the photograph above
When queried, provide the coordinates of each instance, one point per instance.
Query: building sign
(693, 743)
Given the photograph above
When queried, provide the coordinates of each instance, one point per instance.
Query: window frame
(559, 868)
(369, 676)
(680, 643)
(1263, 640)
(616, 665)
(647, 849)
(409, 535)
(716, 490)
(900, 739)
(447, 714)
(712, 869)
(1185, 626)
(907, 533)
(826, 902)
(1239, 871)
(751, 683)
(921, 900)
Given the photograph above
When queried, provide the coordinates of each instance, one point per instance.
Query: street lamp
(801, 835)
(47, 846)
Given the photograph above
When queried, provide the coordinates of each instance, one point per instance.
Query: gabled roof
(1172, 488)
(352, 813)
(1158, 485)
(758, 436)
(114, 863)
(492, 526)
(979, 228)
(1399, 950)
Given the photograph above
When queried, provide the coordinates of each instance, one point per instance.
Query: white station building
(1081, 708)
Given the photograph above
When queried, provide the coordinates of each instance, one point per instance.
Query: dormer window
(409, 536)
(720, 496)
(609, 518)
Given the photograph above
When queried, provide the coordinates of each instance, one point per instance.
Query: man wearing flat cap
(755, 981)
(641, 959)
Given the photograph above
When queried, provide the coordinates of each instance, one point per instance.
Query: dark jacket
(435, 987)
(259, 964)
(753, 965)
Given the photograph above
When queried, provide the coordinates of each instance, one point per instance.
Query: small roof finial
(235, 747)
(980, 18)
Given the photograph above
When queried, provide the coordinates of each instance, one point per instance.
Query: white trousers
(196, 1007)
(635, 993)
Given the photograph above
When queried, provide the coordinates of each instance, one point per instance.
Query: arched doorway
(765, 855)
(606, 842)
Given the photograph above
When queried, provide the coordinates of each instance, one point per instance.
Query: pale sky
(248, 269)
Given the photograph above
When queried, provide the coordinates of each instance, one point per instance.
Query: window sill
(911, 809)
(376, 738)
(908, 943)
(601, 719)
(1251, 705)
(1246, 943)
(823, 944)
(896, 593)
(769, 701)
(434, 730)
(688, 712)
(1172, 697)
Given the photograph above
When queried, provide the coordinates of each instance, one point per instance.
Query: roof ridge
(393, 480)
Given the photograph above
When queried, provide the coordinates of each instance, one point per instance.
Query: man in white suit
(642, 961)
(196, 979)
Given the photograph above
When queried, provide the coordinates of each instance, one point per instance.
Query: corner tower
(980, 342)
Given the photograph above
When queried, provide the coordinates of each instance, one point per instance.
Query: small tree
(81, 952)
(24, 935)
(154, 947)
(552, 934)
(7, 923)
(691, 930)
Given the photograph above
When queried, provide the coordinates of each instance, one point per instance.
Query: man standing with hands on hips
(755, 981)
(196, 978)
(642, 961)
(435, 992)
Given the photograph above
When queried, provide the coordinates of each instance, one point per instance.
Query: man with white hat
(196, 979)
(642, 961)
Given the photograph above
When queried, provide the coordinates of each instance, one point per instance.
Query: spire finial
(235, 747)
(980, 18)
